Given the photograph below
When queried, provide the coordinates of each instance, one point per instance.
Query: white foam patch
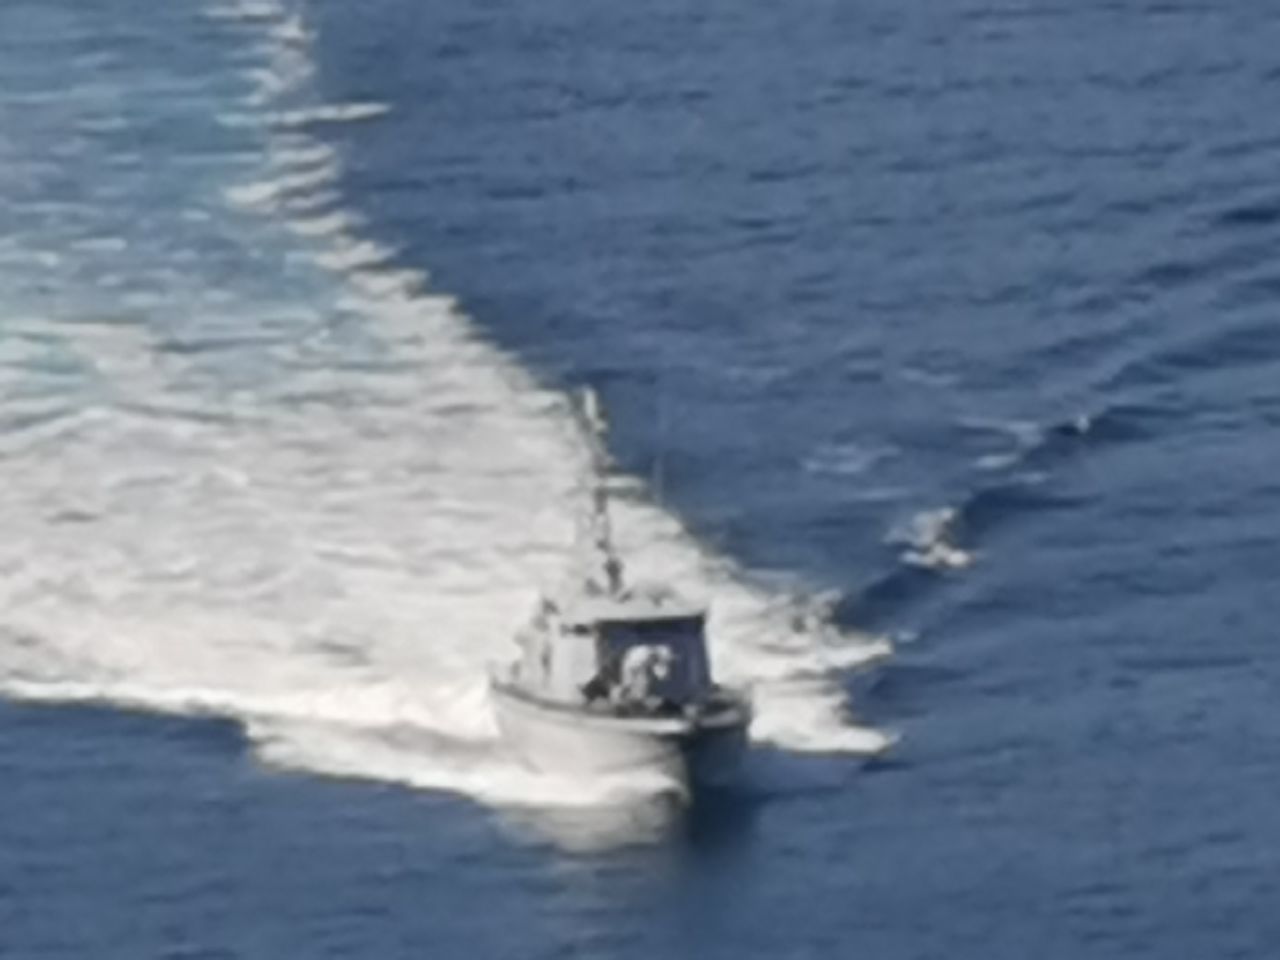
(329, 113)
(390, 282)
(302, 154)
(248, 10)
(1021, 435)
(323, 225)
(267, 195)
(334, 555)
(349, 254)
(847, 459)
(927, 538)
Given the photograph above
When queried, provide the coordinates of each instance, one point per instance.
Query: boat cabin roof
(644, 603)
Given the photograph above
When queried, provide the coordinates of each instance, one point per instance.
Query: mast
(596, 528)
(659, 457)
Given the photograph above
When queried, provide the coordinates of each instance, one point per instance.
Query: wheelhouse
(673, 650)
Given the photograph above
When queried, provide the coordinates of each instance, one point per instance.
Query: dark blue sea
(941, 340)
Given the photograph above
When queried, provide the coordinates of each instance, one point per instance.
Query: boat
(615, 677)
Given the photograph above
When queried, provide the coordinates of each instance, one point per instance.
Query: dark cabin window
(683, 637)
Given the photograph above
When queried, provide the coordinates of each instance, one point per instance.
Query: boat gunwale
(734, 713)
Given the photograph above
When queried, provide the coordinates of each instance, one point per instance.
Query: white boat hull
(564, 740)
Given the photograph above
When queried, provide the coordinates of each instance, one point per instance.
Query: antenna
(660, 455)
(591, 411)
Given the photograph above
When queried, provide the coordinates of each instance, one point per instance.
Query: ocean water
(943, 341)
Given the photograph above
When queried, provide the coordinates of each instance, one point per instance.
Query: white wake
(333, 551)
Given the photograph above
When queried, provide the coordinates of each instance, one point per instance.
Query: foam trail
(329, 113)
(927, 537)
(323, 505)
(267, 196)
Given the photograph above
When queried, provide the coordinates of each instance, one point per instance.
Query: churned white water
(253, 466)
